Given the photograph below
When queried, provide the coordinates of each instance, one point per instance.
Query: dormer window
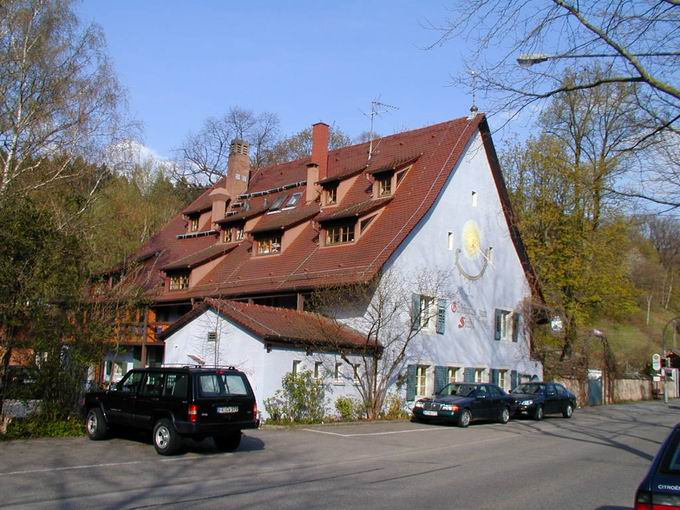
(294, 199)
(384, 185)
(228, 235)
(331, 195)
(193, 223)
(269, 245)
(238, 233)
(340, 234)
(179, 281)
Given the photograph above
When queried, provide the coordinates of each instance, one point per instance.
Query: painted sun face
(472, 239)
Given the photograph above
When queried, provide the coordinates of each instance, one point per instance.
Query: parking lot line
(91, 466)
(386, 433)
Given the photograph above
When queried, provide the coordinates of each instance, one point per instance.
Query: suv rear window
(670, 463)
(221, 385)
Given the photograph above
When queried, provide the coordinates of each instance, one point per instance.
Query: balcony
(131, 333)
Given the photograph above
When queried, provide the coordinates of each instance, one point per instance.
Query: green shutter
(469, 375)
(441, 316)
(494, 376)
(516, 324)
(514, 380)
(415, 312)
(440, 378)
(497, 324)
(411, 382)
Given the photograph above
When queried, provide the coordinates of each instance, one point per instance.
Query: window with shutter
(415, 312)
(411, 382)
(516, 325)
(514, 380)
(469, 375)
(441, 316)
(440, 378)
(494, 376)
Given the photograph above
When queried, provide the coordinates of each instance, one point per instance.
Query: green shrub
(345, 408)
(41, 426)
(302, 399)
(394, 408)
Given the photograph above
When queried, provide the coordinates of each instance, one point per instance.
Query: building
(428, 200)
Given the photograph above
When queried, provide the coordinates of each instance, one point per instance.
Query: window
(276, 204)
(384, 185)
(427, 311)
(339, 234)
(130, 383)
(228, 235)
(294, 199)
(337, 373)
(331, 195)
(179, 281)
(421, 380)
(507, 326)
(355, 369)
(153, 385)
(480, 375)
(474, 199)
(318, 370)
(452, 375)
(193, 223)
(296, 367)
(269, 245)
(176, 386)
(449, 241)
(221, 385)
(239, 233)
(503, 379)
(212, 336)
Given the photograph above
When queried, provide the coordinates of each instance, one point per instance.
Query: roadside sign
(656, 362)
(556, 324)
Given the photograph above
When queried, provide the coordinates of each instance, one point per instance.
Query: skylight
(294, 199)
(276, 204)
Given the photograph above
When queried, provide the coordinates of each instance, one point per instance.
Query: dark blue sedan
(660, 490)
(463, 403)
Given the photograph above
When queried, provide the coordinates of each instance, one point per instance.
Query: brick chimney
(320, 138)
(238, 169)
(312, 176)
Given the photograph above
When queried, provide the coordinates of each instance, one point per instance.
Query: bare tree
(385, 312)
(299, 145)
(60, 97)
(204, 155)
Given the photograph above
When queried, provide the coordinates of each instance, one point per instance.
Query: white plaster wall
(245, 351)
(469, 342)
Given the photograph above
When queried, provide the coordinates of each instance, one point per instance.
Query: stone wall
(624, 390)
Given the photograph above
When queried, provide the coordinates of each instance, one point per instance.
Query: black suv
(174, 403)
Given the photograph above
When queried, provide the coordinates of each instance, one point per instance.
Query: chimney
(320, 137)
(312, 178)
(238, 168)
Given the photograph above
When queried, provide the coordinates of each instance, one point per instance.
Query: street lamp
(530, 59)
(663, 349)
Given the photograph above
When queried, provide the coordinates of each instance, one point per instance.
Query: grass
(38, 426)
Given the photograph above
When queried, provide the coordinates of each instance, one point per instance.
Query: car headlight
(450, 407)
(526, 402)
(419, 404)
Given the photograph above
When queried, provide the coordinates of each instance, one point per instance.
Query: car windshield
(457, 390)
(528, 389)
(221, 385)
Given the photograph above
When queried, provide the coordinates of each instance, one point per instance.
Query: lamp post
(663, 349)
(530, 59)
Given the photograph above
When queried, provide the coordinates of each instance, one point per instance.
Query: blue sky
(306, 61)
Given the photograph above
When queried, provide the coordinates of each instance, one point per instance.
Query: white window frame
(318, 370)
(428, 312)
(504, 378)
(337, 374)
(422, 380)
(450, 241)
(297, 365)
(355, 373)
(506, 325)
(475, 199)
(454, 375)
(481, 375)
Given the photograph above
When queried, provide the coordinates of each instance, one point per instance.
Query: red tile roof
(285, 218)
(353, 210)
(200, 257)
(433, 151)
(281, 325)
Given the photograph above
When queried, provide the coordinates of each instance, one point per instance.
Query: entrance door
(595, 389)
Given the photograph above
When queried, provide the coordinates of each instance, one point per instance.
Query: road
(593, 461)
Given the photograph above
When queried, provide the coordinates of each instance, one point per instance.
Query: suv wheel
(568, 411)
(228, 443)
(96, 425)
(166, 440)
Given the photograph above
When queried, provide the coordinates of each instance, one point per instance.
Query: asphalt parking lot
(593, 461)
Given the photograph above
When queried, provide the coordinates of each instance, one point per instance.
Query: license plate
(430, 413)
(226, 410)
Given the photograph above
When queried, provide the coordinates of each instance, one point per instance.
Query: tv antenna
(377, 109)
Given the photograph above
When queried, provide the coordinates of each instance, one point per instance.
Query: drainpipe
(145, 326)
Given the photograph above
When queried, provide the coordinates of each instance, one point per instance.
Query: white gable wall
(469, 335)
(240, 348)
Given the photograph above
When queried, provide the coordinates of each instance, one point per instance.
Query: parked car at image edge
(176, 403)
(463, 403)
(537, 399)
(660, 489)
